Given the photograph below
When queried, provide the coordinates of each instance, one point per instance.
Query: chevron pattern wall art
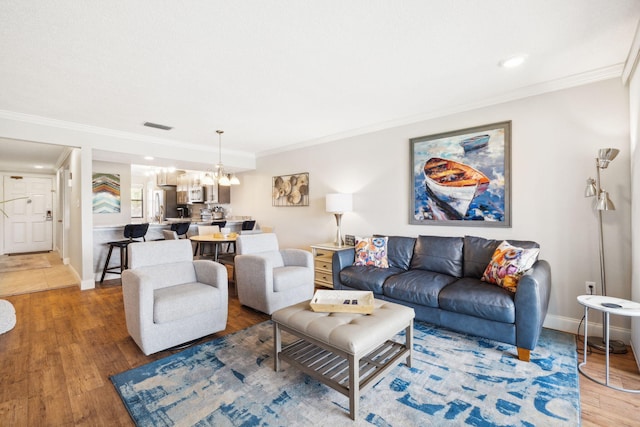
(106, 193)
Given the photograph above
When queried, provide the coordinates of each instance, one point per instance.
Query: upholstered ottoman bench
(346, 351)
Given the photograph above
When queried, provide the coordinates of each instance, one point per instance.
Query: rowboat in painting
(454, 183)
(475, 142)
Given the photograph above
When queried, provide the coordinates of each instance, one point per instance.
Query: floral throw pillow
(508, 264)
(372, 251)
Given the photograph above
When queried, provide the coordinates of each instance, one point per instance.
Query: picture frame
(106, 193)
(462, 177)
(290, 190)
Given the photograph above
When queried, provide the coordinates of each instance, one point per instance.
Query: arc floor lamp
(603, 203)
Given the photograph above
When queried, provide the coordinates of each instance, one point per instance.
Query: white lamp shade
(339, 202)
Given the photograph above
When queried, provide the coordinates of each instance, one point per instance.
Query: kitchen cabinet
(167, 179)
(224, 194)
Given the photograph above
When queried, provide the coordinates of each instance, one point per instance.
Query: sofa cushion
(479, 299)
(399, 251)
(182, 301)
(366, 278)
(507, 264)
(417, 286)
(478, 252)
(439, 254)
(371, 251)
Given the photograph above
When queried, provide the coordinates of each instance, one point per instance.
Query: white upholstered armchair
(170, 299)
(268, 278)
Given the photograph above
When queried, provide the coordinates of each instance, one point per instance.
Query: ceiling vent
(157, 126)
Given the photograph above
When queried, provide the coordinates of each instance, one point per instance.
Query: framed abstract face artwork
(462, 177)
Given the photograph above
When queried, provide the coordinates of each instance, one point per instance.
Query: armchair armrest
(255, 271)
(297, 257)
(137, 293)
(211, 273)
(532, 301)
(341, 259)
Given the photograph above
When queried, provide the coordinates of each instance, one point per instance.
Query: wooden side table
(322, 262)
(607, 305)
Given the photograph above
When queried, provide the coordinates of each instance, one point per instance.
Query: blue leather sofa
(440, 278)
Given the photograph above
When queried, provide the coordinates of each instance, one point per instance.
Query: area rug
(455, 380)
(23, 262)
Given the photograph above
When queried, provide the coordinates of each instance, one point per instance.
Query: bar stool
(131, 232)
(181, 229)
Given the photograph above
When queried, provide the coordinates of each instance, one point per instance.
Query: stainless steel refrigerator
(165, 203)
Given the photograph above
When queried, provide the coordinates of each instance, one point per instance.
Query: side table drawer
(323, 278)
(323, 264)
(324, 254)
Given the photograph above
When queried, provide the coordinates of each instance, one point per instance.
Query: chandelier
(219, 175)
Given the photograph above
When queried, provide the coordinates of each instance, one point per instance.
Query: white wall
(554, 143)
(634, 107)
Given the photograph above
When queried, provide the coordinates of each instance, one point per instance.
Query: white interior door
(29, 227)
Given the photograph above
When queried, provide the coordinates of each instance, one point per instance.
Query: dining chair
(204, 230)
(248, 225)
(170, 235)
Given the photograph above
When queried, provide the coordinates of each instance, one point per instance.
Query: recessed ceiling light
(513, 61)
(148, 158)
(38, 166)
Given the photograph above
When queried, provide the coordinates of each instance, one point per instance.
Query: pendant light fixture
(220, 175)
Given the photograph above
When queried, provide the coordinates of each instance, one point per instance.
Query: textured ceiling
(277, 74)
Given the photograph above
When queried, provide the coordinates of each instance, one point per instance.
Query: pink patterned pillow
(372, 251)
(508, 264)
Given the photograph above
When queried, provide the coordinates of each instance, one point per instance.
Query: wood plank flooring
(57, 361)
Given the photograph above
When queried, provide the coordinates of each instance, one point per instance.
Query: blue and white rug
(455, 380)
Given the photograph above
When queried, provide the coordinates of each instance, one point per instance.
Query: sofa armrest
(532, 301)
(297, 257)
(341, 259)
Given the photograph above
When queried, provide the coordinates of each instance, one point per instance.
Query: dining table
(216, 239)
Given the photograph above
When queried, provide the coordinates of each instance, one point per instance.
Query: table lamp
(337, 204)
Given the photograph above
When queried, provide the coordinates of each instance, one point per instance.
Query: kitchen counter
(102, 234)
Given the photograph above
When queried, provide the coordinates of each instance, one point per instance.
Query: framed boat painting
(462, 177)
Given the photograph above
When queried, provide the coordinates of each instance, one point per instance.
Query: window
(137, 201)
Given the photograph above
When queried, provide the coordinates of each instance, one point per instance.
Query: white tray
(328, 301)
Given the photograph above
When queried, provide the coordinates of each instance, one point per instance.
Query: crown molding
(633, 58)
(613, 71)
(103, 132)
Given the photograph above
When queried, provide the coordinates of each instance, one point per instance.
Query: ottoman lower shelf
(332, 369)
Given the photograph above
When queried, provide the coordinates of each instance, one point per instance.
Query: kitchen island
(102, 234)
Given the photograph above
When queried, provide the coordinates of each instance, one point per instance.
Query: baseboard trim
(570, 325)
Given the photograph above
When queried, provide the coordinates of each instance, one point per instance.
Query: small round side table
(607, 305)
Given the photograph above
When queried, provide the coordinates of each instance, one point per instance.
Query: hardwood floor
(57, 361)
